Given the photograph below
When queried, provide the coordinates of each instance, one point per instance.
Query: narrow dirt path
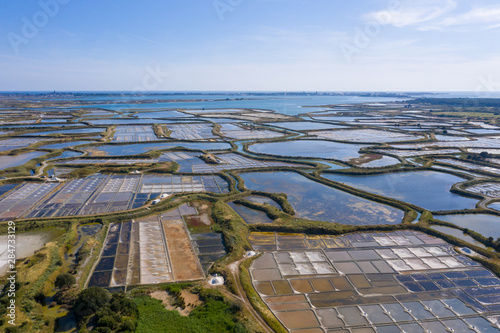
(483, 204)
(36, 175)
(235, 271)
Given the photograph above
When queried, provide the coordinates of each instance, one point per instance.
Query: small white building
(216, 280)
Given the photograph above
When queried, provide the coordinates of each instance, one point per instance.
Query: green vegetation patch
(214, 315)
(466, 102)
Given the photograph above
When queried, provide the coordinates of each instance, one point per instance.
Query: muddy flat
(183, 259)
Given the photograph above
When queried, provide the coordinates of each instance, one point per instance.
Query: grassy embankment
(36, 275)
(161, 131)
(254, 298)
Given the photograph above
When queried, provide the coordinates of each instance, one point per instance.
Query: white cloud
(428, 15)
(476, 16)
(413, 12)
(493, 26)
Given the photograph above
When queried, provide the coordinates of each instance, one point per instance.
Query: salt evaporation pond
(129, 121)
(251, 216)
(141, 148)
(8, 161)
(71, 131)
(309, 148)
(486, 225)
(315, 201)
(65, 144)
(426, 189)
(290, 105)
(381, 162)
(458, 234)
(304, 125)
(163, 114)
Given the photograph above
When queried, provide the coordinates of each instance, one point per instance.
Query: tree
(91, 300)
(108, 321)
(12, 329)
(40, 297)
(127, 326)
(103, 330)
(65, 281)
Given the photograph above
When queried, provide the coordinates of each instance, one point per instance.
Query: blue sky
(326, 45)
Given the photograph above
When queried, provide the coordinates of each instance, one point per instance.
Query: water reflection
(315, 201)
(426, 189)
(251, 216)
(486, 225)
(7, 161)
(141, 148)
(26, 244)
(309, 148)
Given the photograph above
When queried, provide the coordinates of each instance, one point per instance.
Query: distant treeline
(467, 102)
